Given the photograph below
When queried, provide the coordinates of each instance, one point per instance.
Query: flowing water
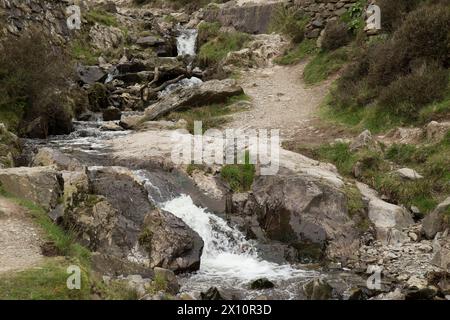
(186, 42)
(229, 260)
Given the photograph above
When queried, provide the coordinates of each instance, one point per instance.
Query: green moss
(239, 176)
(298, 53)
(116, 290)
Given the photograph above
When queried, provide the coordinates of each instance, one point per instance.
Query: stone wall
(321, 12)
(46, 15)
(255, 17)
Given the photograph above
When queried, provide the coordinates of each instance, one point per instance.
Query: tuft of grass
(211, 116)
(324, 64)
(213, 51)
(102, 17)
(358, 119)
(306, 48)
(339, 154)
(82, 51)
(239, 176)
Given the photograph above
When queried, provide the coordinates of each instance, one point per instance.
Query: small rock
(112, 114)
(409, 174)
(425, 248)
(413, 236)
(262, 283)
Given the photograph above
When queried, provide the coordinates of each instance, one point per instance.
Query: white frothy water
(186, 42)
(227, 255)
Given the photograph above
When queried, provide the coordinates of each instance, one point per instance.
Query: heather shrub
(409, 93)
(336, 35)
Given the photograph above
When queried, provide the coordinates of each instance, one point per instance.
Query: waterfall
(227, 255)
(186, 42)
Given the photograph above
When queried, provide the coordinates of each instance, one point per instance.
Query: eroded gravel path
(20, 239)
(281, 100)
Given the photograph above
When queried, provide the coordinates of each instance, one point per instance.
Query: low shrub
(34, 77)
(336, 35)
(408, 94)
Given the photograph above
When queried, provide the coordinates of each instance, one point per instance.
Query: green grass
(359, 119)
(213, 51)
(437, 110)
(82, 51)
(239, 176)
(102, 17)
(298, 53)
(432, 161)
(324, 64)
(212, 116)
(46, 282)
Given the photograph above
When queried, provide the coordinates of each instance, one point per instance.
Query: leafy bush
(354, 17)
(33, 80)
(404, 72)
(335, 36)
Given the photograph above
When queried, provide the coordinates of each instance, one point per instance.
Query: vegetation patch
(239, 176)
(377, 170)
(403, 75)
(211, 116)
(101, 17)
(298, 53)
(289, 21)
(325, 64)
(213, 51)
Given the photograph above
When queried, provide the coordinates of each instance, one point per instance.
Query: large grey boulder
(441, 251)
(111, 209)
(388, 219)
(305, 212)
(90, 74)
(42, 185)
(170, 243)
(437, 221)
(214, 91)
(52, 157)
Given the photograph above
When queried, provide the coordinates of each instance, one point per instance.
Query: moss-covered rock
(9, 147)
